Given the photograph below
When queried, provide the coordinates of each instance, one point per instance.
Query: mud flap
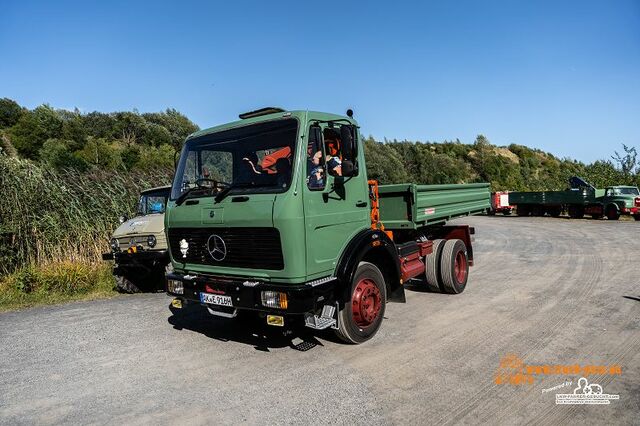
(397, 295)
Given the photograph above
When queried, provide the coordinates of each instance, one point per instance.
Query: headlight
(114, 244)
(274, 299)
(175, 287)
(151, 240)
(122, 219)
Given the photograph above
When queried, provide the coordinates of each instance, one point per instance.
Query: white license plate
(216, 299)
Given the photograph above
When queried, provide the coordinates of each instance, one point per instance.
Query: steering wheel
(215, 183)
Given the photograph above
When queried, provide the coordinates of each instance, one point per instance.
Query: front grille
(256, 248)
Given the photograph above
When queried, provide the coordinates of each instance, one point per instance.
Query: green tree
(34, 128)
(10, 112)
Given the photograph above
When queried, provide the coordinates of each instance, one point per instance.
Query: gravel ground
(550, 291)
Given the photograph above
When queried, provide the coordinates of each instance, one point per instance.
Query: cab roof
(280, 114)
(156, 189)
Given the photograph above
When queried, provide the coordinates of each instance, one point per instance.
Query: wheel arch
(373, 246)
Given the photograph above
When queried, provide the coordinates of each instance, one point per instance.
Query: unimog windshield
(152, 202)
(255, 158)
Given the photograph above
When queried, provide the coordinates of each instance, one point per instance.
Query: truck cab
(274, 213)
(621, 200)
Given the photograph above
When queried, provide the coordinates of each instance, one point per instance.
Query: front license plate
(216, 299)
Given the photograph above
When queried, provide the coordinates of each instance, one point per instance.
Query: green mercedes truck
(274, 214)
(579, 199)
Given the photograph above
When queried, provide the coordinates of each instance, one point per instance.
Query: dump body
(411, 206)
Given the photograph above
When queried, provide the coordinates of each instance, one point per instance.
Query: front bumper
(145, 259)
(245, 294)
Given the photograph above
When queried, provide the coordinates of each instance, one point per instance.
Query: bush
(55, 282)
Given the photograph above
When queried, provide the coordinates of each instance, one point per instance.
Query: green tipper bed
(411, 206)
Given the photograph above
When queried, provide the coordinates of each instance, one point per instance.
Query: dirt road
(551, 292)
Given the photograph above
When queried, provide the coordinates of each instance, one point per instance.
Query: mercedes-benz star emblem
(217, 248)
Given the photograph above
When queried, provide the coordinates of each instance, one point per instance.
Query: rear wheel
(360, 318)
(636, 217)
(537, 210)
(522, 210)
(596, 216)
(576, 212)
(613, 213)
(454, 266)
(432, 267)
(554, 211)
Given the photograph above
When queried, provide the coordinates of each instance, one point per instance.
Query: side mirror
(123, 218)
(348, 148)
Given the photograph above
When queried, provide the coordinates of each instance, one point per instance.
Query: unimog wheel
(125, 285)
(361, 316)
(454, 266)
(613, 213)
(432, 267)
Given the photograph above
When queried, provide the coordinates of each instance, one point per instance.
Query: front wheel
(613, 213)
(361, 316)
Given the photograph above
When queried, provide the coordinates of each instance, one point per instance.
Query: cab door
(334, 211)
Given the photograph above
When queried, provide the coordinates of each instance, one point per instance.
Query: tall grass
(49, 217)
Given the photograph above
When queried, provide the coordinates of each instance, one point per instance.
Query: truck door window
(333, 149)
(315, 160)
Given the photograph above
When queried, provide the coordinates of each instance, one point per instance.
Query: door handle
(361, 204)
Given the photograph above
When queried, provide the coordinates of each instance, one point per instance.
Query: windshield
(152, 202)
(249, 159)
(625, 191)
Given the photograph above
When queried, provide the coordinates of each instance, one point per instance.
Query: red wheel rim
(365, 302)
(460, 268)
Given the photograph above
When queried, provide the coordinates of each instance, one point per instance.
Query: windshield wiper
(222, 194)
(184, 195)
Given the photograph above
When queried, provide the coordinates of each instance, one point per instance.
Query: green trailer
(579, 199)
(274, 214)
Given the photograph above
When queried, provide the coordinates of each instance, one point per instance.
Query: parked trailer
(307, 238)
(580, 199)
(500, 203)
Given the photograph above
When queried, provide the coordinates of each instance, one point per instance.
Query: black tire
(125, 285)
(576, 212)
(613, 213)
(349, 329)
(537, 210)
(522, 210)
(554, 211)
(636, 217)
(432, 267)
(596, 216)
(506, 212)
(454, 266)
(491, 212)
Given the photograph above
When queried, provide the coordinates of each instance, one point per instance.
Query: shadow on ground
(246, 328)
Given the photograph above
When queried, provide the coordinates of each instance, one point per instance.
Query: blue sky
(560, 76)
